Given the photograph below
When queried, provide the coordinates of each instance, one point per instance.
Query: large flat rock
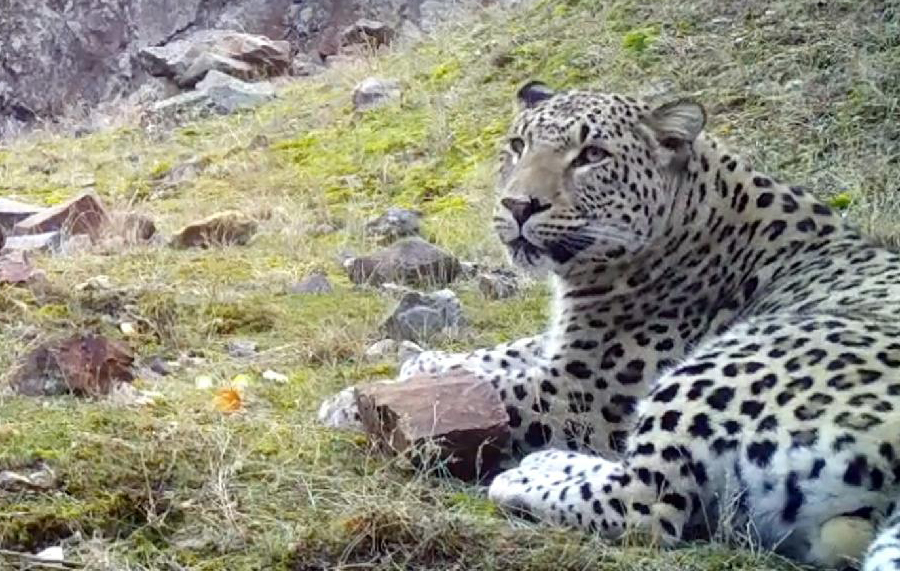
(461, 414)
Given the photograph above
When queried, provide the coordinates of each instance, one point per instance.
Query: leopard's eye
(589, 155)
(517, 145)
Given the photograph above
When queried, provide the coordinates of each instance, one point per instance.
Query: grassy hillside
(809, 89)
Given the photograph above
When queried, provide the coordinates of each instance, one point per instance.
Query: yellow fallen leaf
(228, 400)
(241, 381)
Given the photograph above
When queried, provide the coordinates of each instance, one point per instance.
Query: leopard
(723, 347)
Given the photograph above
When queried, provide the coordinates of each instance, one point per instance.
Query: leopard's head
(586, 179)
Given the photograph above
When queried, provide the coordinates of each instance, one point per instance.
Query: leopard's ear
(671, 129)
(676, 123)
(533, 93)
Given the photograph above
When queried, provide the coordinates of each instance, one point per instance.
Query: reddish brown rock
(462, 415)
(230, 227)
(85, 365)
(83, 214)
(16, 269)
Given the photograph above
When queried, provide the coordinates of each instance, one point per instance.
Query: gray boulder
(374, 92)
(420, 316)
(245, 56)
(217, 93)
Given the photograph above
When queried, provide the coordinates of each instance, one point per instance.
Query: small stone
(128, 329)
(51, 554)
(203, 382)
(411, 261)
(460, 414)
(44, 242)
(469, 269)
(382, 349)
(242, 348)
(84, 214)
(303, 65)
(316, 283)
(275, 377)
(137, 228)
(372, 33)
(12, 212)
(84, 365)
(498, 284)
(375, 92)
(419, 317)
(395, 223)
(230, 227)
(340, 60)
(16, 269)
(37, 478)
(159, 366)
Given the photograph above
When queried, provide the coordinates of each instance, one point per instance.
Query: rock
(419, 316)
(167, 182)
(16, 269)
(46, 242)
(395, 223)
(275, 377)
(83, 214)
(242, 348)
(372, 33)
(12, 212)
(339, 60)
(159, 366)
(84, 365)
(313, 284)
(57, 55)
(469, 269)
(462, 415)
(35, 478)
(498, 284)
(137, 228)
(245, 56)
(411, 261)
(217, 93)
(375, 92)
(303, 65)
(230, 227)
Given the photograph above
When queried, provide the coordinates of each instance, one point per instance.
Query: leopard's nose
(523, 209)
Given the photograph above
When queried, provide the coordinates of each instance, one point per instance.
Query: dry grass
(808, 89)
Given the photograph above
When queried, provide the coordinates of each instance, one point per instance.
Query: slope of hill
(808, 89)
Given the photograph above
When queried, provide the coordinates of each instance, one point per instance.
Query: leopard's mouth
(521, 248)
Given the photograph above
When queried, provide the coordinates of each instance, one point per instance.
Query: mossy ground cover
(809, 90)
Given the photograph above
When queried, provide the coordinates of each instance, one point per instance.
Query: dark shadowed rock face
(55, 54)
(58, 54)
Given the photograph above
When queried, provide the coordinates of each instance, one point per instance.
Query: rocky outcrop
(56, 55)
